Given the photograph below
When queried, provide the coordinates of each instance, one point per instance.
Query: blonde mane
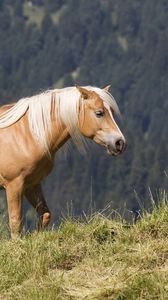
(66, 103)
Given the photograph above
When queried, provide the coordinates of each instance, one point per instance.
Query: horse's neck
(59, 137)
(59, 140)
(59, 134)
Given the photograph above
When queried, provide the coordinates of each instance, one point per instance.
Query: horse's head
(96, 120)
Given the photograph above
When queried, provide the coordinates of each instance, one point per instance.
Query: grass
(98, 259)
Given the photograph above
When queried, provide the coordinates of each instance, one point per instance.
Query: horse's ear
(84, 92)
(106, 88)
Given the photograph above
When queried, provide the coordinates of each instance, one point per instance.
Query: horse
(33, 129)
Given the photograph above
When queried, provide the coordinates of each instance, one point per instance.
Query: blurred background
(52, 44)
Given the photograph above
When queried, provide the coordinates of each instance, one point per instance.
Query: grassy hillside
(100, 258)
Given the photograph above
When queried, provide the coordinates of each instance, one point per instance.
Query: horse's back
(6, 107)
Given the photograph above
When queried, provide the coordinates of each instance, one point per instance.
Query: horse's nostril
(119, 145)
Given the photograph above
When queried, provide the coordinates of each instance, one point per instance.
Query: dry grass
(100, 259)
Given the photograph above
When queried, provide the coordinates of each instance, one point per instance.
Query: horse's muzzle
(117, 147)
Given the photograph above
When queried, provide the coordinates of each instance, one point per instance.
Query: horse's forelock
(106, 97)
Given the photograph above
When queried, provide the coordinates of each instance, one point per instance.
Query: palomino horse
(33, 129)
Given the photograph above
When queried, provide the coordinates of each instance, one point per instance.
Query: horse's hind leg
(14, 192)
(35, 196)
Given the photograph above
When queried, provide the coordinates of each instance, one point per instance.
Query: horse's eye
(99, 113)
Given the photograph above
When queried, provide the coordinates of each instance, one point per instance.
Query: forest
(52, 44)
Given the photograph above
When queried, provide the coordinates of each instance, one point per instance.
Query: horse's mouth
(116, 152)
(112, 152)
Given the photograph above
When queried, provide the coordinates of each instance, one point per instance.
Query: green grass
(100, 259)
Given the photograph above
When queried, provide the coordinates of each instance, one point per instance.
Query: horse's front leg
(35, 196)
(14, 192)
